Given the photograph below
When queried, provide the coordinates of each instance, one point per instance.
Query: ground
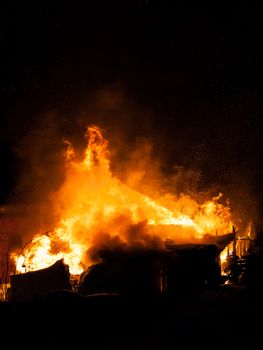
(223, 317)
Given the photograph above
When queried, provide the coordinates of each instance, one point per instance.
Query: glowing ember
(97, 210)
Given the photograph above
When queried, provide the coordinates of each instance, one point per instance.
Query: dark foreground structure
(36, 284)
(177, 269)
(181, 269)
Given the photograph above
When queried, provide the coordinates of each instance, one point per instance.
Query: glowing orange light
(95, 207)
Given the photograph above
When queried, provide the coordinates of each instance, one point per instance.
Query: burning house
(114, 238)
(176, 269)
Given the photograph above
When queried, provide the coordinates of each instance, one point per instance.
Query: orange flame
(97, 209)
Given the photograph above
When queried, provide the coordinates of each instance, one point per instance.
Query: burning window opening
(98, 212)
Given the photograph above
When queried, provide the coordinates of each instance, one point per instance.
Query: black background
(191, 78)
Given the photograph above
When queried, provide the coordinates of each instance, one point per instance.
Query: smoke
(121, 235)
(40, 172)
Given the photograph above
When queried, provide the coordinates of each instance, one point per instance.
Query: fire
(96, 209)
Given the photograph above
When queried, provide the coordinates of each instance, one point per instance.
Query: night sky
(189, 79)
